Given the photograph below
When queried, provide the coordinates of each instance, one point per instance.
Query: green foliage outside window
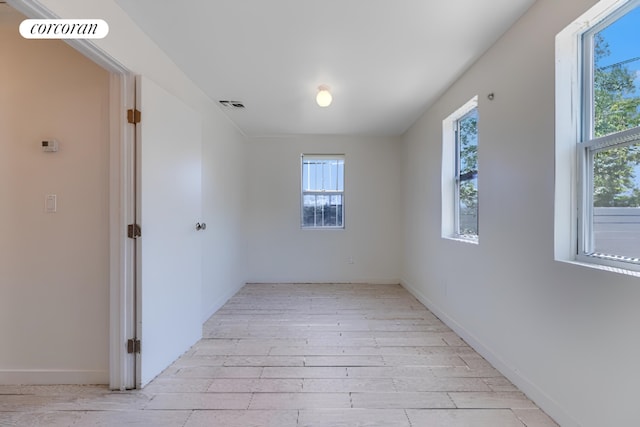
(468, 184)
(616, 103)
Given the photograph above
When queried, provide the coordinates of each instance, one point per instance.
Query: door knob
(202, 226)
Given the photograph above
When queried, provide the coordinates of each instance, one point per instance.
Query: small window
(322, 191)
(460, 173)
(609, 148)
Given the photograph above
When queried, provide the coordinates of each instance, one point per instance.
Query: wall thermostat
(50, 145)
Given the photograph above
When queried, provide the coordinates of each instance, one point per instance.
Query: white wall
(566, 334)
(280, 251)
(54, 267)
(224, 177)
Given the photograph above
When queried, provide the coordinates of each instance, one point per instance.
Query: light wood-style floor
(286, 355)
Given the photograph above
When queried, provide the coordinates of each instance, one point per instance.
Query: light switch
(50, 145)
(50, 202)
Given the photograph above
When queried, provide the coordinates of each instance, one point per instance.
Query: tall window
(609, 148)
(322, 191)
(460, 173)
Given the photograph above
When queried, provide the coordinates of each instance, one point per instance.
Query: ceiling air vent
(231, 104)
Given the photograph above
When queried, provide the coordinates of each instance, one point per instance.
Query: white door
(169, 250)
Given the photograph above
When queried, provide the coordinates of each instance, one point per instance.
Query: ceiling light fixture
(324, 98)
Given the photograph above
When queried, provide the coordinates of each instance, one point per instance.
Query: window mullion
(585, 206)
(620, 139)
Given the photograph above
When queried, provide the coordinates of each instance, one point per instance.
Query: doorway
(154, 181)
(54, 215)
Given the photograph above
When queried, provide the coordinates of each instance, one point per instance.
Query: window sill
(462, 239)
(586, 261)
(322, 228)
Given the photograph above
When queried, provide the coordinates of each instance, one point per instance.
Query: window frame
(589, 146)
(451, 180)
(323, 192)
(574, 145)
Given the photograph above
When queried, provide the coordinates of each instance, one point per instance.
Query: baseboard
(332, 282)
(52, 376)
(538, 396)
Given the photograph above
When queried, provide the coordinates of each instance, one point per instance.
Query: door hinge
(133, 116)
(133, 346)
(134, 231)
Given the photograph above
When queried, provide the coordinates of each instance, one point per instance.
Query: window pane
(468, 176)
(468, 207)
(311, 175)
(322, 211)
(616, 201)
(319, 175)
(468, 140)
(340, 171)
(333, 216)
(327, 173)
(305, 176)
(616, 75)
(316, 167)
(309, 211)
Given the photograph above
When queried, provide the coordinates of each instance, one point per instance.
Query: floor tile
(348, 385)
(463, 418)
(254, 418)
(331, 349)
(115, 401)
(500, 384)
(195, 359)
(40, 419)
(305, 372)
(53, 390)
(430, 360)
(402, 400)
(389, 372)
(133, 418)
(219, 372)
(252, 385)
(401, 341)
(175, 401)
(300, 400)
(464, 372)
(341, 341)
(25, 402)
(441, 384)
(264, 361)
(178, 385)
(348, 360)
(534, 417)
(509, 400)
(353, 418)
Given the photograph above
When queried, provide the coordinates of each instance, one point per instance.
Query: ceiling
(385, 61)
